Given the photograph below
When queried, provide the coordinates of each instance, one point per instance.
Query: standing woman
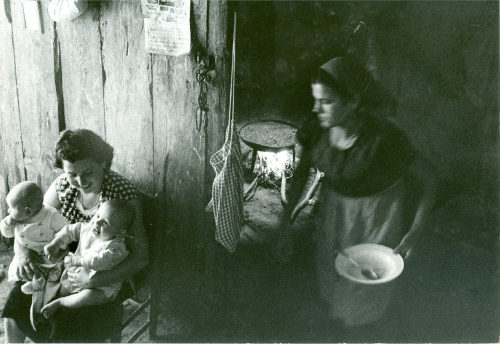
(86, 183)
(368, 193)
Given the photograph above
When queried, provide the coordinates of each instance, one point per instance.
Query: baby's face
(17, 211)
(106, 223)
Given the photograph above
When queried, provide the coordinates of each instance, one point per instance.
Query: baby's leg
(85, 297)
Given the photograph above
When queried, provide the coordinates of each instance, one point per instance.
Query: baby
(101, 247)
(33, 225)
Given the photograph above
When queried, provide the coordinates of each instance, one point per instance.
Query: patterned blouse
(114, 186)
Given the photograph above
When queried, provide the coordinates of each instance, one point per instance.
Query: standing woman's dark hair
(81, 144)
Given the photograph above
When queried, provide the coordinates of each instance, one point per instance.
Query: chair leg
(153, 321)
(116, 337)
(155, 294)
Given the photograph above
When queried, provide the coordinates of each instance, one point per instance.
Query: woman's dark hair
(80, 144)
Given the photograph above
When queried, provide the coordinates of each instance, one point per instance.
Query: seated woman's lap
(86, 324)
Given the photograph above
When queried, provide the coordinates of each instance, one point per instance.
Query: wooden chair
(146, 287)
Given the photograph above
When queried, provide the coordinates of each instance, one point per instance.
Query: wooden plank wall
(93, 72)
(127, 98)
(38, 103)
(180, 176)
(82, 71)
(12, 164)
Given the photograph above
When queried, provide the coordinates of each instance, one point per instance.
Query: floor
(447, 293)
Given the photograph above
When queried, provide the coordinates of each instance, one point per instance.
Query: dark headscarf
(348, 78)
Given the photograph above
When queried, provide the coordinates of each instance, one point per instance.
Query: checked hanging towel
(227, 188)
(227, 191)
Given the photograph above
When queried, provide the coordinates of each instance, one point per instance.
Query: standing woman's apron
(227, 188)
(345, 221)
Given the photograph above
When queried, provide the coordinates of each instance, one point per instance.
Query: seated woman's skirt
(86, 324)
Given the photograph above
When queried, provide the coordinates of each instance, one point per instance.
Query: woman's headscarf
(347, 76)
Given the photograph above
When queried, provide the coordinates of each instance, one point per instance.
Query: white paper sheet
(166, 26)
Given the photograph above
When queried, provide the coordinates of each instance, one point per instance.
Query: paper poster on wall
(166, 26)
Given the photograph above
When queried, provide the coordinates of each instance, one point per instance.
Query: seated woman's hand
(72, 260)
(29, 264)
(79, 277)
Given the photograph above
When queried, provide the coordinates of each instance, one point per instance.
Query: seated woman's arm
(423, 172)
(51, 198)
(137, 259)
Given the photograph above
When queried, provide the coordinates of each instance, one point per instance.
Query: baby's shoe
(27, 288)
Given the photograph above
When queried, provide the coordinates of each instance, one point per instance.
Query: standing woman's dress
(364, 199)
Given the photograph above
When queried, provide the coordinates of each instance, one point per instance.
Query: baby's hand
(53, 251)
(68, 261)
(9, 221)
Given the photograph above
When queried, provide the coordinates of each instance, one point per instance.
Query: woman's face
(332, 109)
(86, 175)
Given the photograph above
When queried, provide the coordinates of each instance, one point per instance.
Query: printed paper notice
(166, 26)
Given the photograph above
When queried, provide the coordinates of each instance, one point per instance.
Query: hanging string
(231, 88)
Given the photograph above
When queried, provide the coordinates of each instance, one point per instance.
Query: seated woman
(86, 183)
(368, 192)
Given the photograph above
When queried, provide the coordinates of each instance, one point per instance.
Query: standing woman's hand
(404, 248)
(29, 263)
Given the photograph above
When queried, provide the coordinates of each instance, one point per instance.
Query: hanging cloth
(227, 188)
(66, 10)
